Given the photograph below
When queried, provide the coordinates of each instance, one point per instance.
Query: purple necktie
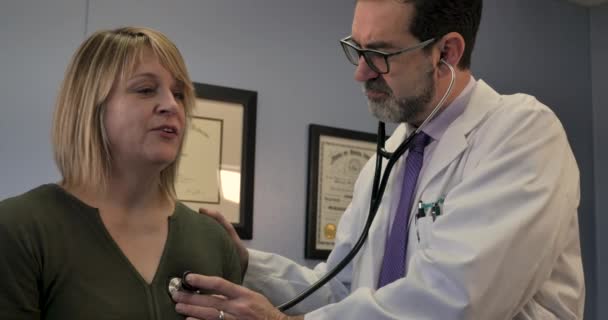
(393, 263)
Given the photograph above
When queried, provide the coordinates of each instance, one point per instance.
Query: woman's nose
(168, 103)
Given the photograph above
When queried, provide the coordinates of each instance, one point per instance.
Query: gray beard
(398, 110)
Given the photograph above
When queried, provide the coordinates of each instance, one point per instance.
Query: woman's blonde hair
(80, 144)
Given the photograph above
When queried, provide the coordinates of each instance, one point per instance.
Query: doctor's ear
(451, 48)
(442, 59)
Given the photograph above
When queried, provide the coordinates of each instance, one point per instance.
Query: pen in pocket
(421, 214)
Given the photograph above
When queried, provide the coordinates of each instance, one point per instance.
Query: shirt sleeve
(281, 279)
(232, 265)
(19, 265)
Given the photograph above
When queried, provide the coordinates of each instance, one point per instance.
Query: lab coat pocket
(424, 226)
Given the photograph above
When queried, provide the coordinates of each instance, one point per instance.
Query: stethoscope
(378, 187)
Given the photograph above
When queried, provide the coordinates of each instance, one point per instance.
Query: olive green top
(58, 261)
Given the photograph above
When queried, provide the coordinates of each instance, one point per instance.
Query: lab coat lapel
(454, 140)
(452, 144)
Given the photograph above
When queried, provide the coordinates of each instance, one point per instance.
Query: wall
(288, 52)
(599, 70)
(37, 39)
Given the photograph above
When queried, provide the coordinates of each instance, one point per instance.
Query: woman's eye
(146, 91)
(179, 95)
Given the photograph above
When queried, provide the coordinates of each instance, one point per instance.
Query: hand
(242, 250)
(235, 301)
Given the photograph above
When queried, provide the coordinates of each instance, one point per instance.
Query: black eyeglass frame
(366, 52)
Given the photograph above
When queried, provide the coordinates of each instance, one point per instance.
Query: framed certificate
(217, 160)
(336, 156)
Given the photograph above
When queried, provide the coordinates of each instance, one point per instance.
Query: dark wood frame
(248, 99)
(315, 133)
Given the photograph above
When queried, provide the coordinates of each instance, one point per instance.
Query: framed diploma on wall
(217, 161)
(335, 158)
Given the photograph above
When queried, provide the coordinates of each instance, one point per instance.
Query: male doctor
(479, 219)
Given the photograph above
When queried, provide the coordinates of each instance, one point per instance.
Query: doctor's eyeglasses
(377, 60)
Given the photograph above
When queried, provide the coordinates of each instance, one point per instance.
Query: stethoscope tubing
(378, 187)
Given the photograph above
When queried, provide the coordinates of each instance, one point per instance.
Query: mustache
(377, 84)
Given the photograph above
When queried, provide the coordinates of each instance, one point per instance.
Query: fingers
(215, 284)
(225, 223)
(196, 312)
(236, 302)
(219, 218)
(201, 306)
(210, 301)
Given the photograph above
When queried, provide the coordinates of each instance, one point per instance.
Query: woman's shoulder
(26, 216)
(198, 222)
(207, 233)
(29, 204)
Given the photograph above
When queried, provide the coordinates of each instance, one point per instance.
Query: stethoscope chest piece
(176, 284)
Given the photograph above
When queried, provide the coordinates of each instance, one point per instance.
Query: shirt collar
(439, 124)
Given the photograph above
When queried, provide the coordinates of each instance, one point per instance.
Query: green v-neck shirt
(58, 261)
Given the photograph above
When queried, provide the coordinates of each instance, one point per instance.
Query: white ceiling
(589, 3)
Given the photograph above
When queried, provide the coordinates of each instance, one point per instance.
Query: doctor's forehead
(382, 20)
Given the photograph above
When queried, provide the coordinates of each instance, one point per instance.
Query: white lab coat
(505, 247)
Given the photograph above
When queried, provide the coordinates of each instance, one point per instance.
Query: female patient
(103, 242)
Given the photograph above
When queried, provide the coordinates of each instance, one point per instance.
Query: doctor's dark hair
(80, 144)
(436, 18)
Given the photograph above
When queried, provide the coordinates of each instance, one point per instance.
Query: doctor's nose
(363, 72)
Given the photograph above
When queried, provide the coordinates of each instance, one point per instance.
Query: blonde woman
(102, 243)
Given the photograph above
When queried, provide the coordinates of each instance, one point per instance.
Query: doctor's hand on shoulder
(230, 301)
(242, 250)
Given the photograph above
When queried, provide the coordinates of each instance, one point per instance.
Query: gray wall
(599, 70)
(36, 40)
(287, 51)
